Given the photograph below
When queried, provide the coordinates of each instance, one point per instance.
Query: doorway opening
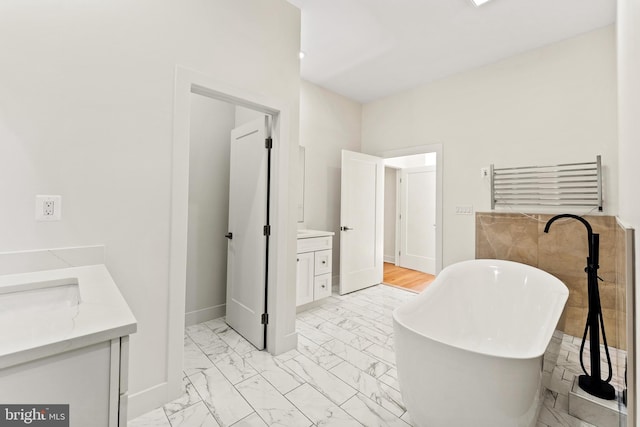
(413, 217)
(228, 197)
(362, 230)
(211, 123)
(278, 271)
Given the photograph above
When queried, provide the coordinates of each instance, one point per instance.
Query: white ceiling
(368, 49)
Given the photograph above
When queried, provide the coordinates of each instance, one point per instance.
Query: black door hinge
(266, 230)
(268, 143)
(265, 318)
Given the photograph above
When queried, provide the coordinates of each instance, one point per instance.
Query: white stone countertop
(36, 323)
(307, 234)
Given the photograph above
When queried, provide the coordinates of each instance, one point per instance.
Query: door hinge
(264, 319)
(266, 230)
(268, 143)
(399, 253)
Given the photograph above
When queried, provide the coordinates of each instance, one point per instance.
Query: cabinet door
(322, 286)
(79, 378)
(304, 278)
(323, 262)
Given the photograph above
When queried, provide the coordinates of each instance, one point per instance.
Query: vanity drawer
(322, 262)
(314, 244)
(322, 286)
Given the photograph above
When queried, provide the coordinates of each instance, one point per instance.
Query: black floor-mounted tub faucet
(592, 382)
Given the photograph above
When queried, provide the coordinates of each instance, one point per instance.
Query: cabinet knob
(323, 286)
(297, 259)
(324, 262)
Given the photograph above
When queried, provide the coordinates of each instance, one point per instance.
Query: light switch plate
(464, 210)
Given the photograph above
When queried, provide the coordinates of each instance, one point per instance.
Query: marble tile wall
(562, 252)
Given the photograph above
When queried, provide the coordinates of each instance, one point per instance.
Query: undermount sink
(39, 298)
(48, 312)
(38, 308)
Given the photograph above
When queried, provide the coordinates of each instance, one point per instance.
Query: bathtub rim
(563, 293)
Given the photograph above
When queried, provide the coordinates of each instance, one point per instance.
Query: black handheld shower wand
(592, 383)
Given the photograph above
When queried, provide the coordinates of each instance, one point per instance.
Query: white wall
(628, 24)
(414, 161)
(246, 115)
(552, 105)
(328, 123)
(86, 112)
(211, 124)
(390, 214)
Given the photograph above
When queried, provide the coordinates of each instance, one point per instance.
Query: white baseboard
(202, 315)
(309, 305)
(389, 258)
(147, 400)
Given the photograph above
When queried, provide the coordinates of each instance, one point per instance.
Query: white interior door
(247, 245)
(418, 219)
(361, 219)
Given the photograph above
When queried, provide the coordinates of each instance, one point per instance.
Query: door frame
(281, 334)
(423, 149)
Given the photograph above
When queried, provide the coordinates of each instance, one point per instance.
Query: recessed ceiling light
(477, 3)
(301, 54)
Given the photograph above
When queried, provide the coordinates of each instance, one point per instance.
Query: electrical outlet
(48, 208)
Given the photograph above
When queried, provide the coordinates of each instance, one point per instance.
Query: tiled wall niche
(563, 252)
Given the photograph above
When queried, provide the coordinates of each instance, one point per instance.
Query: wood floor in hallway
(411, 280)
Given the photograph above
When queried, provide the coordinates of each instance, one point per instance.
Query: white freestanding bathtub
(469, 348)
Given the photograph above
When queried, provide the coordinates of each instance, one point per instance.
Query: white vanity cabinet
(92, 380)
(64, 339)
(314, 256)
